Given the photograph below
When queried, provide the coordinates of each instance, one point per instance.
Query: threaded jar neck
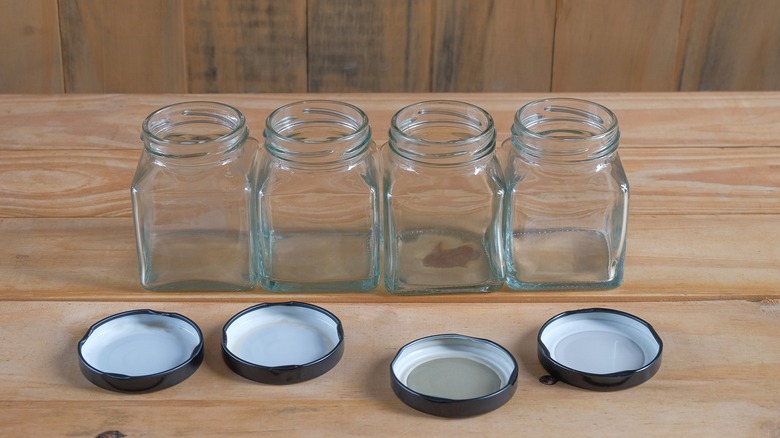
(196, 131)
(317, 132)
(565, 130)
(442, 132)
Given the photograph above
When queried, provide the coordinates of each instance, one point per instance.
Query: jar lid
(282, 343)
(140, 351)
(599, 349)
(452, 375)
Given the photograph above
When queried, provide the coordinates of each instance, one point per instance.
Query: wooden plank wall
(127, 46)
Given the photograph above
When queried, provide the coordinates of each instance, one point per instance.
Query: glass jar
(567, 197)
(192, 199)
(318, 200)
(443, 195)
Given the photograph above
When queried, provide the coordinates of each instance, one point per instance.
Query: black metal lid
(599, 349)
(282, 343)
(452, 375)
(140, 351)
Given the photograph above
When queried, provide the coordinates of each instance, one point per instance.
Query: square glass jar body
(192, 197)
(194, 224)
(319, 226)
(443, 197)
(442, 227)
(567, 208)
(566, 226)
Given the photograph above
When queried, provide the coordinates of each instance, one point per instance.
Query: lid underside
(600, 349)
(141, 350)
(282, 343)
(453, 375)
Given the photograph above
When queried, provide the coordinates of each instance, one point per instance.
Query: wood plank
(702, 267)
(68, 122)
(105, 122)
(246, 46)
(31, 61)
(600, 46)
(703, 181)
(730, 45)
(123, 47)
(669, 257)
(81, 162)
(364, 45)
(647, 120)
(719, 376)
(494, 45)
(67, 183)
(696, 119)
(95, 183)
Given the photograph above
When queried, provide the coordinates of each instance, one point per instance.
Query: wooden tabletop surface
(702, 266)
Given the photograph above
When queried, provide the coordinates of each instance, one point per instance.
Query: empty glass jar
(443, 195)
(318, 200)
(193, 199)
(567, 197)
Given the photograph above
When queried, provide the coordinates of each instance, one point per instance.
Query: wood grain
(647, 120)
(95, 183)
(122, 47)
(80, 183)
(245, 46)
(715, 379)
(702, 168)
(31, 61)
(695, 119)
(600, 46)
(702, 266)
(725, 181)
(730, 45)
(669, 257)
(495, 45)
(686, 153)
(363, 45)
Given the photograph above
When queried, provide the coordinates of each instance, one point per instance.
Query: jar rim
(235, 121)
(359, 129)
(474, 121)
(565, 129)
(609, 130)
(489, 128)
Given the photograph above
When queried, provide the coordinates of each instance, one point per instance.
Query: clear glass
(567, 197)
(192, 199)
(443, 196)
(318, 200)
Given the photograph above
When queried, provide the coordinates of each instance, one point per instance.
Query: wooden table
(703, 267)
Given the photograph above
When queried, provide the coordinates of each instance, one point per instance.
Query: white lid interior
(600, 342)
(276, 336)
(140, 344)
(464, 367)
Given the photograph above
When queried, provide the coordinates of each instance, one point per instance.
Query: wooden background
(228, 46)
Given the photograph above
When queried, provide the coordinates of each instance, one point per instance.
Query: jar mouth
(442, 132)
(194, 129)
(565, 129)
(317, 132)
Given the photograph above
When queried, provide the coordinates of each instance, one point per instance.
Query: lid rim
(141, 383)
(454, 408)
(283, 374)
(618, 380)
